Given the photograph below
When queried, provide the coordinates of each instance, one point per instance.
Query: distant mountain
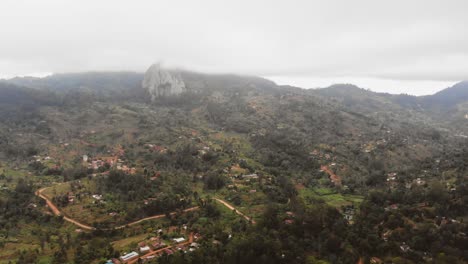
(253, 106)
(97, 81)
(449, 97)
(15, 95)
(108, 84)
(344, 89)
(448, 107)
(442, 100)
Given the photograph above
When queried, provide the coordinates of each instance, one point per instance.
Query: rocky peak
(160, 82)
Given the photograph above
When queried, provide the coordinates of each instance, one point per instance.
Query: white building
(129, 256)
(179, 240)
(144, 249)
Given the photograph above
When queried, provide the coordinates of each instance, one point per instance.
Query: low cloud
(393, 41)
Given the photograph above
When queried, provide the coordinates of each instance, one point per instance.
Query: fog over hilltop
(395, 47)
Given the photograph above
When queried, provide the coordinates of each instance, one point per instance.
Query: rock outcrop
(160, 82)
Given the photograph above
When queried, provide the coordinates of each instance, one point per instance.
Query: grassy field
(331, 197)
(84, 210)
(24, 238)
(128, 243)
(10, 250)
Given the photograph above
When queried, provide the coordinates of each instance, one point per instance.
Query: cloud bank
(402, 46)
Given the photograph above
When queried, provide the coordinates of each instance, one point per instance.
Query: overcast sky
(407, 46)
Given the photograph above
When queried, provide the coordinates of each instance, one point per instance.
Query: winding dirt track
(57, 212)
(235, 210)
(154, 252)
(155, 217)
(333, 177)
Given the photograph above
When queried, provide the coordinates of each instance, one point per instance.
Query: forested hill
(333, 175)
(283, 123)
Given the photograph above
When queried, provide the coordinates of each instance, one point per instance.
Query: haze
(414, 47)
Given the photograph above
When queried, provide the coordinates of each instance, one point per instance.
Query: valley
(94, 167)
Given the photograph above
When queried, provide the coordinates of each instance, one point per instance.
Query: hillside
(341, 164)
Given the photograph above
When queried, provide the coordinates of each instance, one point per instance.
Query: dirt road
(57, 212)
(235, 210)
(155, 217)
(333, 177)
(154, 252)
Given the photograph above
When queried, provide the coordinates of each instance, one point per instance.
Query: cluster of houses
(371, 146)
(348, 214)
(368, 148)
(317, 154)
(289, 219)
(242, 182)
(203, 150)
(445, 220)
(392, 179)
(247, 177)
(111, 161)
(391, 207)
(72, 197)
(38, 158)
(156, 246)
(156, 148)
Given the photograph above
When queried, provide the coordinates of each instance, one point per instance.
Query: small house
(179, 240)
(145, 249)
(404, 247)
(130, 256)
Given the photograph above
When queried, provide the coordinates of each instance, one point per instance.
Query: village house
(420, 182)
(156, 148)
(155, 176)
(127, 169)
(130, 256)
(391, 176)
(391, 207)
(145, 249)
(168, 251)
(194, 245)
(71, 198)
(405, 248)
(349, 214)
(348, 217)
(290, 214)
(386, 235)
(250, 176)
(158, 245)
(179, 240)
(112, 160)
(32, 205)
